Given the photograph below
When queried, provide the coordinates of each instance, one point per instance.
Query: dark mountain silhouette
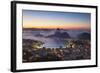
(59, 34)
(84, 35)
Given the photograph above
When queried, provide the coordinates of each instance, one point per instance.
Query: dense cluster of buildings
(75, 50)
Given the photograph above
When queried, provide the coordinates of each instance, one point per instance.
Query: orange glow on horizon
(74, 27)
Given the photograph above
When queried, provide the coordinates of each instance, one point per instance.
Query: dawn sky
(53, 20)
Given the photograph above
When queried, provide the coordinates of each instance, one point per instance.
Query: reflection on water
(49, 42)
(55, 45)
